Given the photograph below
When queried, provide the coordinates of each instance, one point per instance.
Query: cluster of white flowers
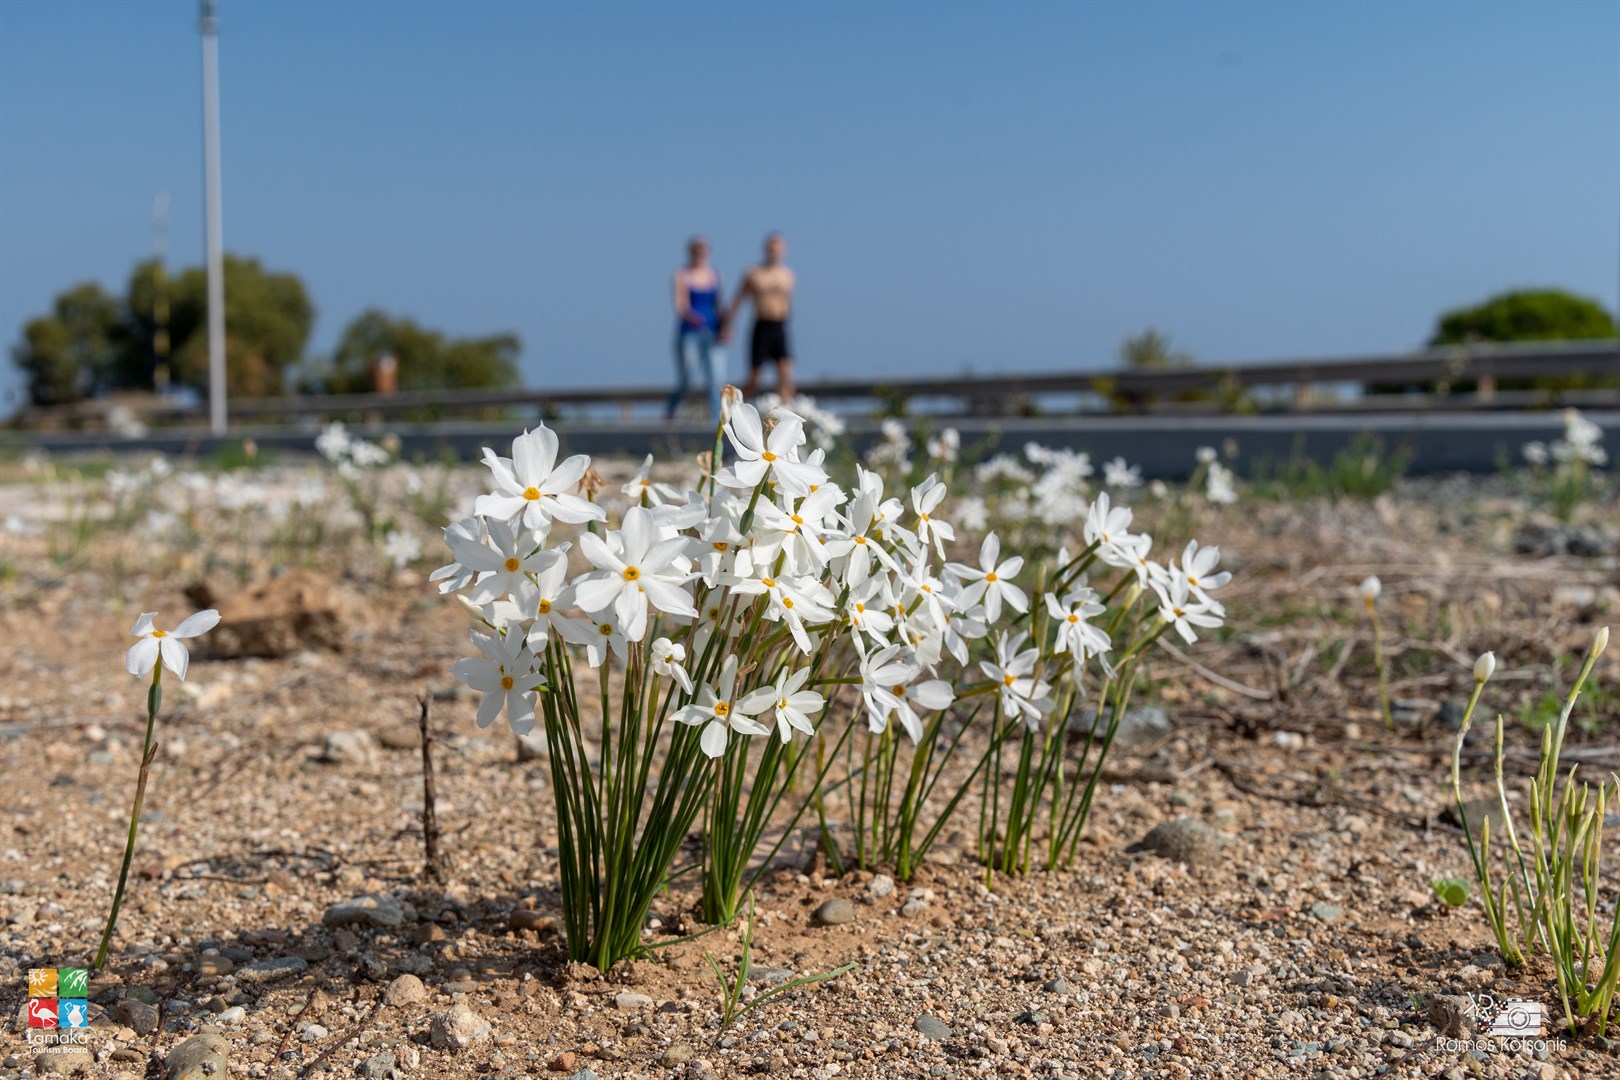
(1581, 444)
(349, 453)
(770, 547)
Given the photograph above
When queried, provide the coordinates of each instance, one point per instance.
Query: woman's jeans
(698, 356)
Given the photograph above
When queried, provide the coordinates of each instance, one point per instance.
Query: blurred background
(499, 192)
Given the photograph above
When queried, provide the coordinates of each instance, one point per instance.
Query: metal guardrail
(1483, 366)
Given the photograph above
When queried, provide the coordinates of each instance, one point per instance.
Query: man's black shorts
(769, 343)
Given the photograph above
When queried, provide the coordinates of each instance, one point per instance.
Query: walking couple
(704, 323)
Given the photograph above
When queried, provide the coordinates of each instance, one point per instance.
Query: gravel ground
(276, 901)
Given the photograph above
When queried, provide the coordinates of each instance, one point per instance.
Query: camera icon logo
(1518, 1018)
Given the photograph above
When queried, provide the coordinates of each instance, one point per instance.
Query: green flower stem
(154, 699)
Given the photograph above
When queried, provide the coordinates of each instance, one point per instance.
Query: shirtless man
(770, 286)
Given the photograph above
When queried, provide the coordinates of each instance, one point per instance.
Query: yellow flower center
(860, 607)
(160, 633)
(1007, 680)
(721, 545)
(506, 682)
(606, 629)
(991, 576)
(767, 456)
(898, 690)
(860, 540)
(787, 601)
(631, 573)
(1074, 618)
(922, 517)
(531, 493)
(769, 583)
(545, 606)
(722, 708)
(512, 565)
(797, 520)
(1192, 581)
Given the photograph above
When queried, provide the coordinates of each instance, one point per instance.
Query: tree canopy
(428, 360)
(74, 348)
(1525, 315)
(1151, 351)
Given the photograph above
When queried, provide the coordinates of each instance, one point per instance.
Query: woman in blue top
(697, 328)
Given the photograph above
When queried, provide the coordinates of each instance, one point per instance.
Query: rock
(378, 1066)
(770, 976)
(626, 1000)
(533, 921)
(457, 1028)
(298, 610)
(232, 1016)
(1140, 726)
(1452, 1016)
(372, 909)
(1451, 713)
(532, 747)
(1587, 541)
(880, 886)
(1057, 986)
(68, 1060)
(282, 967)
(834, 912)
(678, 1054)
(1479, 812)
(201, 1057)
(932, 1027)
(405, 990)
(564, 1062)
(1032, 1017)
(355, 748)
(401, 737)
(313, 1033)
(212, 964)
(137, 1015)
(1183, 840)
(1327, 912)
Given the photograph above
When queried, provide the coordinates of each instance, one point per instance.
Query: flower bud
(1484, 667)
(1371, 587)
(1600, 642)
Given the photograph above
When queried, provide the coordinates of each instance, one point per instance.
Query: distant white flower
(144, 654)
(1075, 634)
(1219, 487)
(792, 703)
(1121, 474)
(1371, 588)
(402, 548)
(925, 499)
(972, 514)
(1206, 455)
(641, 487)
(719, 714)
(945, 446)
(1536, 453)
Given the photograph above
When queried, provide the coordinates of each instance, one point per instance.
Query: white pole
(215, 221)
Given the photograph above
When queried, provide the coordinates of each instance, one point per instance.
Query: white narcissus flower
(667, 660)
(1022, 695)
(144, 654)
(1198, 566)
(792, 703)
(718, 713)
(600, 636)
(506, 677)
(1107, 524)
(642, 489)
(886, 689)
(503, 568)
(1075, 634)
(643, 570)
(1178, 608)
(1121, 474)
(991, 582)
(531, 483)
(457, 575)
(776, 456)
(925, 499)
(1371, 588)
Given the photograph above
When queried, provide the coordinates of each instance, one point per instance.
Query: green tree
(74, 349)
(1525, 315)
(1151, 351)
(428, 360)
(268, 317)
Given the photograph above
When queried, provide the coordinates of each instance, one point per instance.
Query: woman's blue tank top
(705, 305)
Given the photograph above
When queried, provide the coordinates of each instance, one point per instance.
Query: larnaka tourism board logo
(58, 1004)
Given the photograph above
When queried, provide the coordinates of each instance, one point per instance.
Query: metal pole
(214, 221)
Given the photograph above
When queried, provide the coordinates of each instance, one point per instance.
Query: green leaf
(1453, 892)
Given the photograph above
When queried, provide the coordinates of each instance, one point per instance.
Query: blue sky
(963, 186)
